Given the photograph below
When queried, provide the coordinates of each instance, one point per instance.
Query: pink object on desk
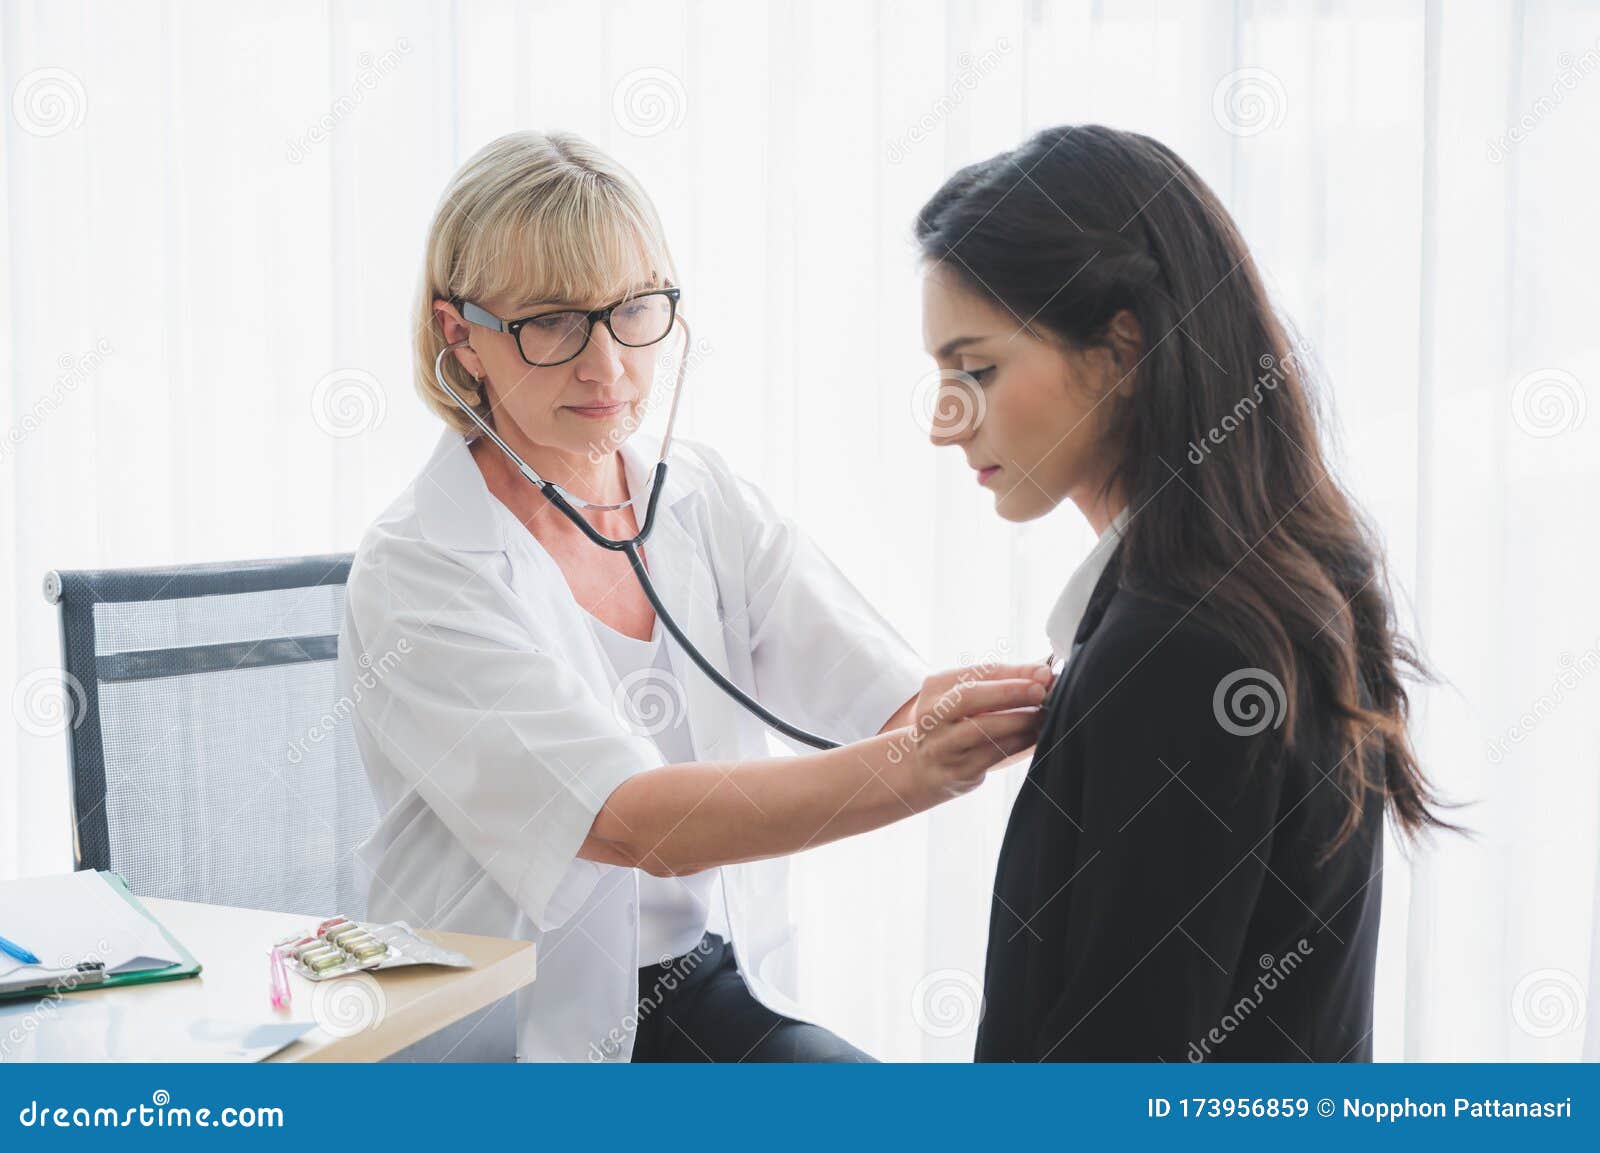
(280, 980)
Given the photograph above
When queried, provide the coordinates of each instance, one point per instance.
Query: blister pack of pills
(339, 945)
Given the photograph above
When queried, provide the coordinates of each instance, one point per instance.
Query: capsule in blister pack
(313, 957)
(342, 930)
(339, 946)
(366, 950)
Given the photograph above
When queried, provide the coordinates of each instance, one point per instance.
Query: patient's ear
(1125, 343)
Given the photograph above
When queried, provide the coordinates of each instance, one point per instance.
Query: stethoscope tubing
(630, 548)
(772, 720)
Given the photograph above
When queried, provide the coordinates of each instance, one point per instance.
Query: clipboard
(56, 981)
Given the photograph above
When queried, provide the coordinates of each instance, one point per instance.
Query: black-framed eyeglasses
(550, 338)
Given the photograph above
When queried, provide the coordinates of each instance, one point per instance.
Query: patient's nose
(957, 409)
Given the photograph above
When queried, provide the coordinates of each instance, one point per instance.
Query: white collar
(1062, 627)
(456, 509)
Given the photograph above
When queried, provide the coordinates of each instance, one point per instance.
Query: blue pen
(18, 952)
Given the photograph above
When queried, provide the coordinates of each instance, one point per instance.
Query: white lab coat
(484, 714)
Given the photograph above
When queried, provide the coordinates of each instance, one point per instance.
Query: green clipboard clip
(92, 974)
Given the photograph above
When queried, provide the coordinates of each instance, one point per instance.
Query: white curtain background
(213, 220)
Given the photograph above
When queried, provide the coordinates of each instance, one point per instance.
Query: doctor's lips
(599, 411)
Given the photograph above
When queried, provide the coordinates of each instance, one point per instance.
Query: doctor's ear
(454, 330)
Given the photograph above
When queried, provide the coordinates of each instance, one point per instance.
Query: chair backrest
(211, 757)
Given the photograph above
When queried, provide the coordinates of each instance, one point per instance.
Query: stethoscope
(569, 505)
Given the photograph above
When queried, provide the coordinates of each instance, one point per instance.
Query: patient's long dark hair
(1082, 222)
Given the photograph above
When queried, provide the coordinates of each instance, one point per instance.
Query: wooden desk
(361, 1018)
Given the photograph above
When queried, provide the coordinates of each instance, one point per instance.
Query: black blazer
(1157, 898)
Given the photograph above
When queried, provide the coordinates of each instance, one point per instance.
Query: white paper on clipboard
(70, 918)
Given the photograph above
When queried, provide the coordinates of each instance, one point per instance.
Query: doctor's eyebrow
(545, 304)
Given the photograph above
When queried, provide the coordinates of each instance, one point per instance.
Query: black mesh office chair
(212, 759)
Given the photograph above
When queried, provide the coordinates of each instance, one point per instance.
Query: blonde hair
(532, 216)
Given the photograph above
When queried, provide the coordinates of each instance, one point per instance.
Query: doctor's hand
(967, 721)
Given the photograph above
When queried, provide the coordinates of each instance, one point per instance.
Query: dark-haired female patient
(1192, 868)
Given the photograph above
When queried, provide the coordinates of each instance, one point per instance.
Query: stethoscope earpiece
(565, 503)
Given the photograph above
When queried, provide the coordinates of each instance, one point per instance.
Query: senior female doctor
(548, 766)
